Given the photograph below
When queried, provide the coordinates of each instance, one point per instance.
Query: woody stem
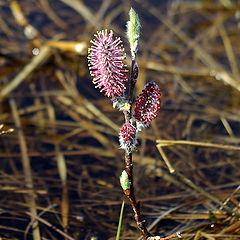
(128, 157)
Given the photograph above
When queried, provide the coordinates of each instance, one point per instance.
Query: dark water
(190, 49)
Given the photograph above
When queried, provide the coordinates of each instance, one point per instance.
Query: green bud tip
(124, 180)
(133, 30)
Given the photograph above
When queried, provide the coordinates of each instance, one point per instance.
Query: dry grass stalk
(188, 47)
(45, 52)
(27, 171)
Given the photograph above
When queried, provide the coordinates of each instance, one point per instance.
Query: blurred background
(60, 167)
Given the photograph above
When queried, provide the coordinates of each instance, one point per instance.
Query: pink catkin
(105, 58)
(147, 103)
(128, 137)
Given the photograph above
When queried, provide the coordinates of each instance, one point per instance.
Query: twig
(52, 15)
(83, 10)
(26, 170)
(164, 143)
(51, 226)
(128, 157)
(188, 182)
(27, 70)
(204, 56)
(29, 31)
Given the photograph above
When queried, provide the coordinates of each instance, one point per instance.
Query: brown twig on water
(27, 171)
(186, 180)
